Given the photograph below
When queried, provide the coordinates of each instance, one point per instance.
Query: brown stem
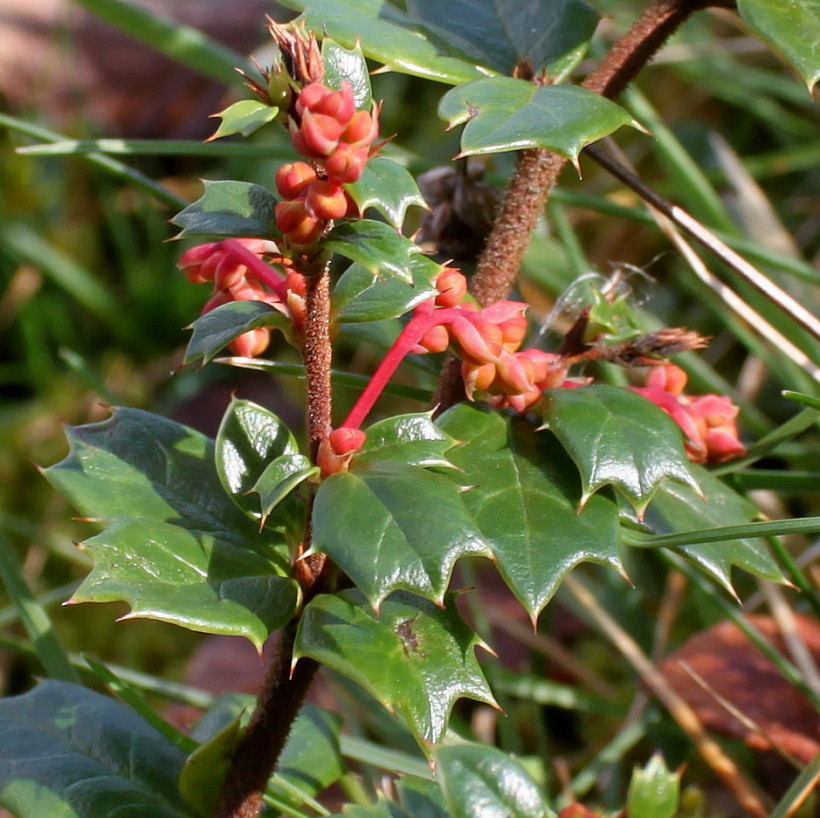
(261, 744)
(538, 169)
(317, 356)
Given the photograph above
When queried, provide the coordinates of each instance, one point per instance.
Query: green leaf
(387, 187)
(507, 114)
(421, 798)
(385, 35)
(617, 437)
(654, 791)
(792, 27)
(484, 782)
(360, 295)
(499, 33)
(347, 65)
(389, 525)
(280, 477)
(524, 494)
(214, 330)
(375, 246)
(227, 208)
(677, 508)
(68, 752)
(175, 547)
(250, 439)
(244, 117)
(414, 657)
(410, 439)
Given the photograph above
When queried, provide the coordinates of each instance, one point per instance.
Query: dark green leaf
(617, 437)
(421, 798)
(389, 525)
(175, 547)
(792, 27)
(235, 209)
(244, 117)
(524, 497)
(376, 246)
(281, 476)
(218, 327)
(249, 440)
(360, 295)
(413, 656)
(347, 65)
(484, 782)
(411, 439)
(381, 809)
(385, 34)
(499, 33)
(506, 114)
(678, 508)
(387, 187)
(68, 752)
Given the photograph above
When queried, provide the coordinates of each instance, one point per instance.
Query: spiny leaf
(507, 114)
(376, 246)
(347, 65)
(617, 437)
(389, 525)
(523, 492)
(413, 656)
(244, 117)
(175, 547)
(228, 208)
(411, 439)
(387, 187)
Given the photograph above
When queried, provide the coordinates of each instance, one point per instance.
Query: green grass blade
(160, 147)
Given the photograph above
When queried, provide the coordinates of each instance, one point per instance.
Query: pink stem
(264, 272)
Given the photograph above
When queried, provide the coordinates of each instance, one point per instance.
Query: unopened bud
(451, 286)
(292, 179)
(326, 200)
(346, 164)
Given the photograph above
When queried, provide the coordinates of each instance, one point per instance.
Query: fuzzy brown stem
(317, 356)
(261, 744)
(538, 169)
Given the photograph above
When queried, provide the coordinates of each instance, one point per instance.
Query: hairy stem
(261, 744)
(318, 356)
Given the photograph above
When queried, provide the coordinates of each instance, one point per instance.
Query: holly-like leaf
(414, 657)
(792, 27)
(389, 525)
(375, 246)
(617, 437)
(480, 781)
(678, 508)
(360, 295)
(257, 458)
(411, 439)
(387, 187)
(214, 330)
(500, 33)
(68, 752)
(524, 494)
(228, 208)
(244, 117)
(347, 65)
(175, 547)
(507, 114)
(386, 35)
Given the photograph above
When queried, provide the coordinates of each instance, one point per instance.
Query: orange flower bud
(477, 377)
(292, 179)
(317, 135)
(345, 441)
(326, 200)
(252, 343)
(346, 164)
(296, 223)
(436, 339)
(451, 286)
(337, 104)
(362, 129)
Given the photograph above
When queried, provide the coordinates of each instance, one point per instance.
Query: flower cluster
(327, 129)
(238, 273)
(707, 421)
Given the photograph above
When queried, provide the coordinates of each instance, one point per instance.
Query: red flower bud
(362, 129)
(346, 441)
(338, 104)
(252, 343)
(317, 135)
(296, 223)
(346, 164)
(436, 339)
(310, 96)
(292, 179)
(326, 200)
(451, 286)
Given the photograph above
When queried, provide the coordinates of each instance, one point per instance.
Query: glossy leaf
(280, 477)
(507, 114)
(375, 246)
(524, 494)
(385, 35)
(677, 508)
(360, 295)
(484, 782)
(388, 188)
(249, 440)
(500, 33)
(214, 330)
(421, 798)
(389, 525)
(68, 752)
(227, 208)
(617, 437)
(416, 658)
(411, 439)
(175, 547)
(347, 65)
(244, 117)
(790, 26)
